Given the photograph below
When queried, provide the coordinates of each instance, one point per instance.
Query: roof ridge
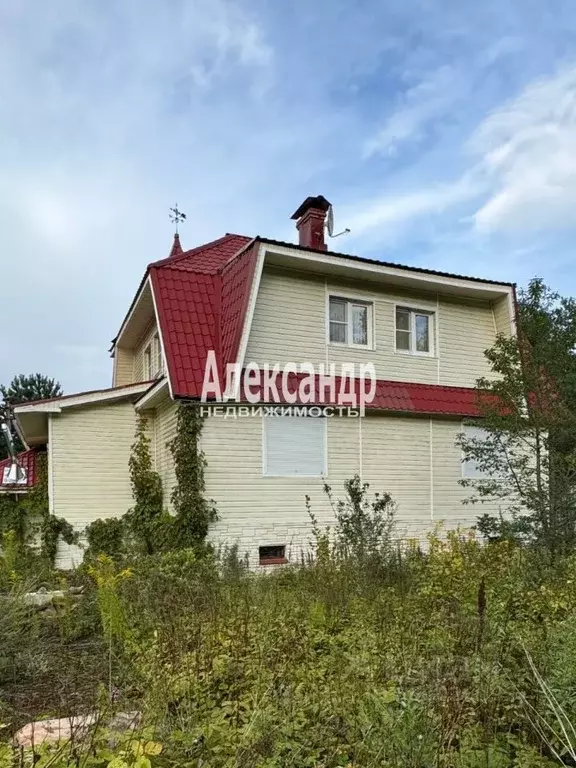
(238, 253)
(171, 260)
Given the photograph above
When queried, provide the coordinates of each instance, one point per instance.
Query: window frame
(153, 358)
(351, 301)
(266, 474)
(148, 361)
(414, 310)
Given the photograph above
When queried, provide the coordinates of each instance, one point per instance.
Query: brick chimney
(310, 218)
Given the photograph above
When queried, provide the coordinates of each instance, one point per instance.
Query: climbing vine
(194, 512)
(49, 527)
(147, 527)
(28, 521)
(146, 520)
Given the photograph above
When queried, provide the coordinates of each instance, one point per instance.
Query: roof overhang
(410, 278)
(154, 396)
(138, 318)
(33, 417)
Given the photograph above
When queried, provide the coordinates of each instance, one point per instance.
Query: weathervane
(176, 217)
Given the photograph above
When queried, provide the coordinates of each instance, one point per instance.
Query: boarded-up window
(294, 446)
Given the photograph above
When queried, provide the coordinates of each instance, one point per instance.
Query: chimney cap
(319, 203)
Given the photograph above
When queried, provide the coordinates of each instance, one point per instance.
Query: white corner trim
(50, 459)
(255, 287)
(431, 440)
(360, 449)
(512, 311)
(161, 337)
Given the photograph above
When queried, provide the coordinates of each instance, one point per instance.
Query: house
(257, 302)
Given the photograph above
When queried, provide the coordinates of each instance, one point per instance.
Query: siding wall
(290, 325)
(123, 367)
(501, 309)
(415, 459)
(89, 453)
(164, 431)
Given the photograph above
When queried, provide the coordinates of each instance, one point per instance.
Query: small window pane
(422, 333)
(402, 319)
(338, 332)
(403, 340)
(148, 362)
(338, 310)
(359, 324)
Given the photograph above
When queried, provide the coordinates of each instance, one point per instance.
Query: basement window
(272, 554)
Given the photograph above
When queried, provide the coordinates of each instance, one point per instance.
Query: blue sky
(443, 132)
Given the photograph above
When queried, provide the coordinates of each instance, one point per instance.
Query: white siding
(501, 309)
(255, 510)
(123, 367)
(164, 432)
(289, 325)
(414, 459)
(89, 453)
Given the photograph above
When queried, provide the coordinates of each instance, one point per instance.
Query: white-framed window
(414, 331)
(148, 362)
(153, 366)
(294, 446)
(350, 321)
(470, 468)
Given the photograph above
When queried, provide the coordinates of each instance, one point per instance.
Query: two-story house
(246, 301)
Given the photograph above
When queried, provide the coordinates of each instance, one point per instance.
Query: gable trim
(247, 322)
(160, 336)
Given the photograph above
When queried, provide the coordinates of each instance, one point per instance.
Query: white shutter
(470, 467)
(294, 446)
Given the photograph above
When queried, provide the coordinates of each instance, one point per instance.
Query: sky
(444, 134)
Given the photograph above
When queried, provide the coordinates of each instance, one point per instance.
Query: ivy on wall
(194, 512)
(147, 527)
(28, 521)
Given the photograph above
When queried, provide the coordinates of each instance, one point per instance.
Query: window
(470, 468)
(414, 331)
(294, 446)
(148, 363)
(350, 322)
(272, 554)
(153, 359)
(157, 351)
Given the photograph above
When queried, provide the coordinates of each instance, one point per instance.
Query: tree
(33, 387)
(528, 452)
(22, 389)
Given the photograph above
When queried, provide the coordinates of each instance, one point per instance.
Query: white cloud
(527, 152)
(391, 211)
(420, 105)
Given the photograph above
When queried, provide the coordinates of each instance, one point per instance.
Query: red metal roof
(202, 296)
(28, 461)
(397, 396)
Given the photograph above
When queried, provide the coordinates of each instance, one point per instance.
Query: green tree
(36, 386)
(23, 389)
(528, 452)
